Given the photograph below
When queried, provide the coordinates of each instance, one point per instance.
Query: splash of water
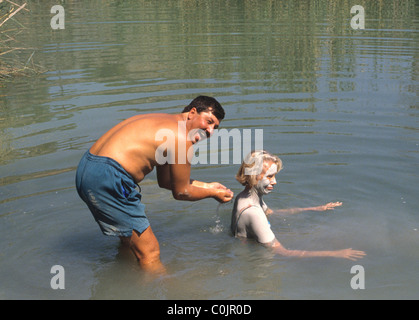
(219, 227)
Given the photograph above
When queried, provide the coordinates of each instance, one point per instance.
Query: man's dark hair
(206, 104)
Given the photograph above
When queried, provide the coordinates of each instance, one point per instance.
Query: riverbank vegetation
(16, 59)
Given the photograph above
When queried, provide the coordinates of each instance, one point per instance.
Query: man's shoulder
(155, 117)
(156, 121)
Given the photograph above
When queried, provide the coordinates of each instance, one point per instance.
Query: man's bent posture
(108, 174)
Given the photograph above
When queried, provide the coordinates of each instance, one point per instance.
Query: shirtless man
(249, 216)
(108, 174)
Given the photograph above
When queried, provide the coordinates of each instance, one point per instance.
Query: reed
(15, 58)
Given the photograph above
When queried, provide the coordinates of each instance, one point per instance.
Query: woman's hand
(349, 254)
(328, 206)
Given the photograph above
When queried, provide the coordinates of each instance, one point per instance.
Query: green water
(338, 105)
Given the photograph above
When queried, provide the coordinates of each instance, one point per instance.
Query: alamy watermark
(358, 280)
(58, 280)
(242, 145)
(172, 150)
(58, 20)
(358, 20)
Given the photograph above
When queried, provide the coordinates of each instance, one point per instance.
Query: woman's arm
(328, 206)
(345, 253)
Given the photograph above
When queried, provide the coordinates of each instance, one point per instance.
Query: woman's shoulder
(250, 208)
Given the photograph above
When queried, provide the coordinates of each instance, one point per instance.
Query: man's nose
(210, 131)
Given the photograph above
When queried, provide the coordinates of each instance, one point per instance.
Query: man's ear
(192, 112)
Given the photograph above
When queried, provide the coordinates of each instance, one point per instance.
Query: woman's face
(266, 180)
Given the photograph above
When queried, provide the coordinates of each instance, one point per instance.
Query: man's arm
(163, 176)
(163, 179)
(201, 184)
(183, 189)
(176, 178)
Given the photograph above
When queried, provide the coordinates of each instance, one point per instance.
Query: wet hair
(206, 104)
(252, 166)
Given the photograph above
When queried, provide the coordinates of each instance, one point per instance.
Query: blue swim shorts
(111, 194)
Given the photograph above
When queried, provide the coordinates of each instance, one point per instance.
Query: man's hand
(208, 185)
(223, 194)
(216, 185)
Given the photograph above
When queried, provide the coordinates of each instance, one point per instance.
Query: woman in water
(249, 217)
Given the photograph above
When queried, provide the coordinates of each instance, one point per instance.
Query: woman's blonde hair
(252, 166)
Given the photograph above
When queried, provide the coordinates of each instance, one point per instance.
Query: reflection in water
(338, 105)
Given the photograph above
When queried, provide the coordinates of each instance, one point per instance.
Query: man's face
(202, 125)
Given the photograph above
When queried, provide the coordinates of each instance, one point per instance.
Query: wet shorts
(111, 194)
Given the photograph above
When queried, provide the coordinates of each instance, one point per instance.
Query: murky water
(339, 106)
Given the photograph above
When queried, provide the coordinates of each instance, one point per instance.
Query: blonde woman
(249, 217)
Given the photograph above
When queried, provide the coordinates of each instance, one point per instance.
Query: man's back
(132, 143)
